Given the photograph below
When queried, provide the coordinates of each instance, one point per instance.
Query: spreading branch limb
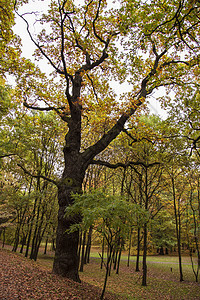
(37, 176)
(123, 165)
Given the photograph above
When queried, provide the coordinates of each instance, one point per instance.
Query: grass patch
(162, 283)
(163, 278)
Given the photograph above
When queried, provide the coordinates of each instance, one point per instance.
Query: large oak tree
(148, 43)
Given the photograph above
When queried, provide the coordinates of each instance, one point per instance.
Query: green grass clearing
(163, 278)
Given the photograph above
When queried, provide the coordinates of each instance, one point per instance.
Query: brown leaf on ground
(23, 279)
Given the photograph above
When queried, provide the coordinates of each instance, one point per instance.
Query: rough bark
(66, 257)
(66, 260)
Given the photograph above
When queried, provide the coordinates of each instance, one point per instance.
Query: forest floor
(23, 279)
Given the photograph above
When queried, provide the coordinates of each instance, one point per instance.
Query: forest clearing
(21, 278)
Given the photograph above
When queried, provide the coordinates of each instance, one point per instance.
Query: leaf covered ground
(23, 279)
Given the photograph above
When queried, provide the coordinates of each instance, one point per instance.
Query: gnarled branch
(123, 165)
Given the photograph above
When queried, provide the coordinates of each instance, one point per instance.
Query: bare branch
(143, 91)
(38, 108)
(123, 165)
(63, 43)
(94, 21)
(168, 21)
(7, 155)
(85, 21)
(134, 140)
(38, 46)
(38, 176)
(78, 43)
(62, 115)
(92, 83)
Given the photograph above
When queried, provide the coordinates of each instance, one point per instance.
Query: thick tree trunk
(66, 259)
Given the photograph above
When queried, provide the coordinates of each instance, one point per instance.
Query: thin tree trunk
(39, 235)
(102, 252)
(4, 237)
(28, 241)
(108, 266)
(111, 260)
(23, 243)
(79, 247)
(45, 248)
(53, 246)
(137, 269)
(118, 260)
(88, 246)
(31, 225)
(195, 222)
(36, 231)
(129, 248)
(115, 255)
(83, 252)
(16, 240)
(178, 229)
(38, 242)
(144, 264)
